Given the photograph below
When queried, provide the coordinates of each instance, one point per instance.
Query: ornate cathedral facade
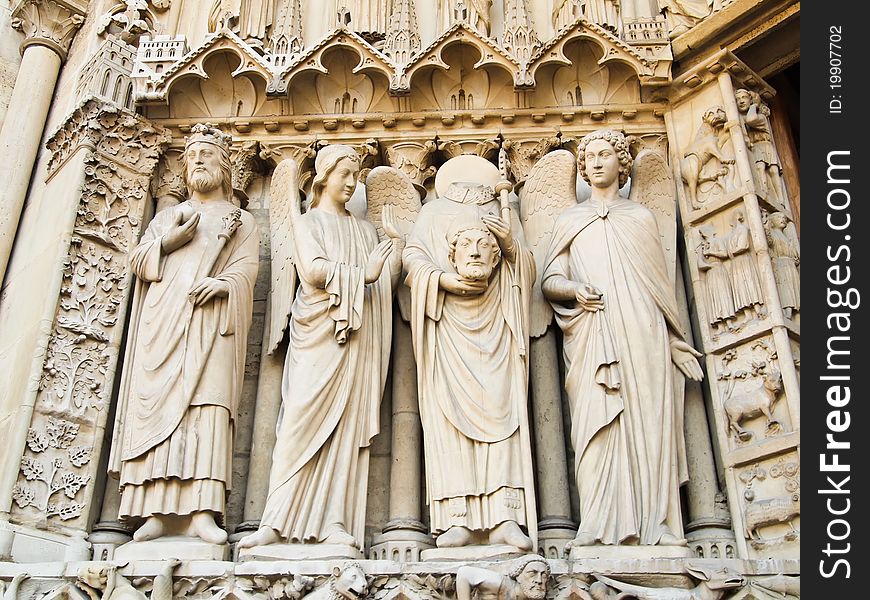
(391, 298)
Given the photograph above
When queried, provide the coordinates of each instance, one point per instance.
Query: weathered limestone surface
(512, 86)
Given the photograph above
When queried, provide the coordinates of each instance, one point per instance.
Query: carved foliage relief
(74, 387)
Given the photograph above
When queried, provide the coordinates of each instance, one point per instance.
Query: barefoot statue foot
(581, 539)
(264, 536)
(336, 534)
(152, 528)
(510, 533)
(203, 526)
(454, 537)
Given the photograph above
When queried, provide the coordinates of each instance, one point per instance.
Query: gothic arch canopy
(613, 50)
(462, 33)
(371, 61)
(192, 64)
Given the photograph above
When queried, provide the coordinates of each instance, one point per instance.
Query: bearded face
(475, 254)
(203, 167)
(533, 581)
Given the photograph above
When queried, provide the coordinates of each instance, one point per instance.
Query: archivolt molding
(154, 88)
(462, 33)
(370, 60)
(613, 49)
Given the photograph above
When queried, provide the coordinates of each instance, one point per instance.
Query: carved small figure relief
(786, 256)
(754, 114)
(339, 346)
(707, 165)
(771, 511)
(195, 269)
(713, 585)
(348, 582)
(10, 592)
(748, 297)
(754, 403)
(473, 12)
(527, 579)
(712, 254)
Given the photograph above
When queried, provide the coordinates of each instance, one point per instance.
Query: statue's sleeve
(423, 274)
(240, 273)
(147, 258)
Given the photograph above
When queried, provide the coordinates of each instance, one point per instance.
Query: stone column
(555, 527)
(49, 27)
(107, 534)
(404, 536)
(99, 174)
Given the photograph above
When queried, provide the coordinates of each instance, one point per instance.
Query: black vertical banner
(835, 177)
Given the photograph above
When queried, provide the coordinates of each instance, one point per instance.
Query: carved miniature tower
(403, 36)
(519, 37)
(286, 38)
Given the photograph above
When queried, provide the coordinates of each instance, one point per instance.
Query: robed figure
(337, 358)
(470, 277)
(606, 276)
(195, 269)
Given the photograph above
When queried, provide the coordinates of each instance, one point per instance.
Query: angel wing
(283, 209)
(386, 185)
(652, 184)
(550, 188)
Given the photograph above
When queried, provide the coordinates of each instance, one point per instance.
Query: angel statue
(607, 278)
(470, 275)
(337, 355)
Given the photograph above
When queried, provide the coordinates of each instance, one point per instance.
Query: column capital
(51, 23)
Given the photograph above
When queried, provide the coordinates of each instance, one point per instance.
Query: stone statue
(195, 270)
(337, 356)
(712, 254)
(565, 12)
(255, 17)
(744, 274)
(476, 14)
(785, 252)
(684, 14)
(470, 276)
(606, 277)
(754, 115)
(527, 580)
(603, 12)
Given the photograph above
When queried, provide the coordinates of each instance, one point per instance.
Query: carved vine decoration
(45, 477)
(75, 383)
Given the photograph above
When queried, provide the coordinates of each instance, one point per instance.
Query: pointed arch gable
(192, 64)
(371, 60)
(613, 50)
(491, 55)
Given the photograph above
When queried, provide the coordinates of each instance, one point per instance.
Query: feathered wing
(550, 188)
(652, 184)
(283, 208)
(386, 185)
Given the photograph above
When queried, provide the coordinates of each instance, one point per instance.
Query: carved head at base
(532, 574)
(350, 582)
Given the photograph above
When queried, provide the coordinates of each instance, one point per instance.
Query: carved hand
(377, 259)
(388, 220)
(686, 359)
(208, 288)
(180, 234)
(501, 229)
(456, 284)
(589, 297)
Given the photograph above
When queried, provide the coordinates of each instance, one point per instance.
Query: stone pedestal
(273, 552)
(629, 552)
(401, 541)
(173, 546)
(471, 553)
